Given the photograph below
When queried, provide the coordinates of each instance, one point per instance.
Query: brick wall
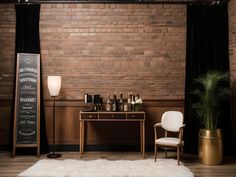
(105, 48)
(101, 48)
(232, 53)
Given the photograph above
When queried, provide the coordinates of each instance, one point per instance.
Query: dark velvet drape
(207, 49)
(28, 41)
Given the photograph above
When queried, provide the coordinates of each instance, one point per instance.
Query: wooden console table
(113, 116)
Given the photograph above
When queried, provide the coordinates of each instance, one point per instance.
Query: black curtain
(28, 41)
(207, 49)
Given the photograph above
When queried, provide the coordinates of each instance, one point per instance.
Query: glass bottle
(121, 104)
(133, 103)
(108, 105)
(100, 103)
(114, 103)
(126, 107)
(129, 100)
(126, 104)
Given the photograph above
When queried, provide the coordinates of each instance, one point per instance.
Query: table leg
(141, 137)
(143, 125)
(80, 138)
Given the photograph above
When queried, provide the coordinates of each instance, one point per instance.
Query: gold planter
(210, 148)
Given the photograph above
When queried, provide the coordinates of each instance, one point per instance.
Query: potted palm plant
(210, 96)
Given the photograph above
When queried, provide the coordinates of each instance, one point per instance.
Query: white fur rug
(107, 168)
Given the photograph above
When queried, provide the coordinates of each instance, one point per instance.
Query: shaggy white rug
(107, 168)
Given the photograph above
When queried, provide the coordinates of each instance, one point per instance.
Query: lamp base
(53, 155)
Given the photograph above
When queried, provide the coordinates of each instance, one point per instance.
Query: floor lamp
(54, 86)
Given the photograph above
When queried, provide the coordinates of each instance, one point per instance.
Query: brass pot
(210, 146)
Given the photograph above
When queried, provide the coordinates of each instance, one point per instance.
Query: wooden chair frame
(179, 146)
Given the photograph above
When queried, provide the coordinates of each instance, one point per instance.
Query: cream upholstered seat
(171, 121)
(167, 141)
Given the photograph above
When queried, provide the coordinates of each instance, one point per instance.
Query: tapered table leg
(80, 139)
(82, 136)
(143, 137)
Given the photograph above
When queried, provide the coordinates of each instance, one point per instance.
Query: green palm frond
(210, 96)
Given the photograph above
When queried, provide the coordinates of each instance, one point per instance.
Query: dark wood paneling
(5, 118)
(66, 124)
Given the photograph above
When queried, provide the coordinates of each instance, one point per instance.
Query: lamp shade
(54, 85)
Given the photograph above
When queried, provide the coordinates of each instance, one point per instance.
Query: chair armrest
(182, 126)
(155, 129)
(157, 125)
(181, 132)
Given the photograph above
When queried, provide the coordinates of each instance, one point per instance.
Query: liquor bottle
(108, 105)
(100, 103)
(114, 103)
(95, 102)
(133, 103)
(121, 104)
(126, 107)
(129, 100)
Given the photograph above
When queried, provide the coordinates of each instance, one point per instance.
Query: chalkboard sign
(27, 102)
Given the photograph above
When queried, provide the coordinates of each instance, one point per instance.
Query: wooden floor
(10, 167)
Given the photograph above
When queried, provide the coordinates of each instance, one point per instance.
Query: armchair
(171, 121)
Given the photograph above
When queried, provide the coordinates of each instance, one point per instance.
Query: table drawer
(89, 116)
(135, 116)
(112, 116)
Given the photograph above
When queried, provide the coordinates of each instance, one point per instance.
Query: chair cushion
(168, 141)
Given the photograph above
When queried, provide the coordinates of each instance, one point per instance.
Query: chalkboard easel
(26, 132)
